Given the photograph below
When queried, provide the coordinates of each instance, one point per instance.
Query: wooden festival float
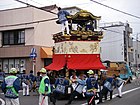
(80, 50)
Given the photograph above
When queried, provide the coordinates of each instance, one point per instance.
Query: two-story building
(24, 29)
(21, 30)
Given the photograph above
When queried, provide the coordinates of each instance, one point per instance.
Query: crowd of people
(52, 85)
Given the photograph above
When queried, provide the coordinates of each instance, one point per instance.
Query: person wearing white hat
(10, 87)
(92, 86)
(90, 72)
(44, 88)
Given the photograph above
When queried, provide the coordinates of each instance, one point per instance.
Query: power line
(115, 9)
(35, 7)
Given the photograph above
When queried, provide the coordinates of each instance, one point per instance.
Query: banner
(77, 47)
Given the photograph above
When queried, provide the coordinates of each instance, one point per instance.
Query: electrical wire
(36, 7)
(115, 9)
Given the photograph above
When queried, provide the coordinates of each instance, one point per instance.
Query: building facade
(21, 30)
(136, 63)
(117, 43)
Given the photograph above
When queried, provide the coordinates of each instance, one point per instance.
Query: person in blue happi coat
(81, 82)
(92, 86)
(107, 87)
(32, 78)
(10, 87)
(60, 87)
(62, 16)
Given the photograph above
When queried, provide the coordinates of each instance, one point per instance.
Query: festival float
(80, 50)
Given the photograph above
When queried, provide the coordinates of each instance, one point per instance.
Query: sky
(107, 15)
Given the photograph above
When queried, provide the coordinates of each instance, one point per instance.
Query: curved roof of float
(83, 15)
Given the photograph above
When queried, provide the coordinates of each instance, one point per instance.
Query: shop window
(17, 65)
(5, 65)
(11, 63)
(0, 64)
(22, 65)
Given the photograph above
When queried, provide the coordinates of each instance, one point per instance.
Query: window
(14, 37)
(11, 63)
(7, 64)
(0, 64)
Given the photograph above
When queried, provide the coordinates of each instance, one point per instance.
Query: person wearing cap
(62, 16)
(81, 82)
(44, 88)
(10, 87)
(92, 86)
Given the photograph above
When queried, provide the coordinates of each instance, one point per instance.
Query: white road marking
(2, 101)
(115, 95)
(131, 90)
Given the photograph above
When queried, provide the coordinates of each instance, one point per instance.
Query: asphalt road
(131, 96)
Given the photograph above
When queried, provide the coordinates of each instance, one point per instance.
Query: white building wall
(0, 39)
(112, 44)
(16, 16)
(136, 47)
(42, 15)
(29, 36)
(43, 31)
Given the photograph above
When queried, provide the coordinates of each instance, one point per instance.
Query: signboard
(77, 47)
(33, 53)
(33, 50)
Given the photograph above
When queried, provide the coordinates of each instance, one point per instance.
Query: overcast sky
(108, 15)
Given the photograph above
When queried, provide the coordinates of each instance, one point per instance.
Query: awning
(45, 52)
(58, 63)
(84, 62)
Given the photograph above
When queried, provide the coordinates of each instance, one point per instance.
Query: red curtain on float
(58, 63)
(84, 62)
(76, 61)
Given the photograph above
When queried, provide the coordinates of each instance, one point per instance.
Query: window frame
(13, 37)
